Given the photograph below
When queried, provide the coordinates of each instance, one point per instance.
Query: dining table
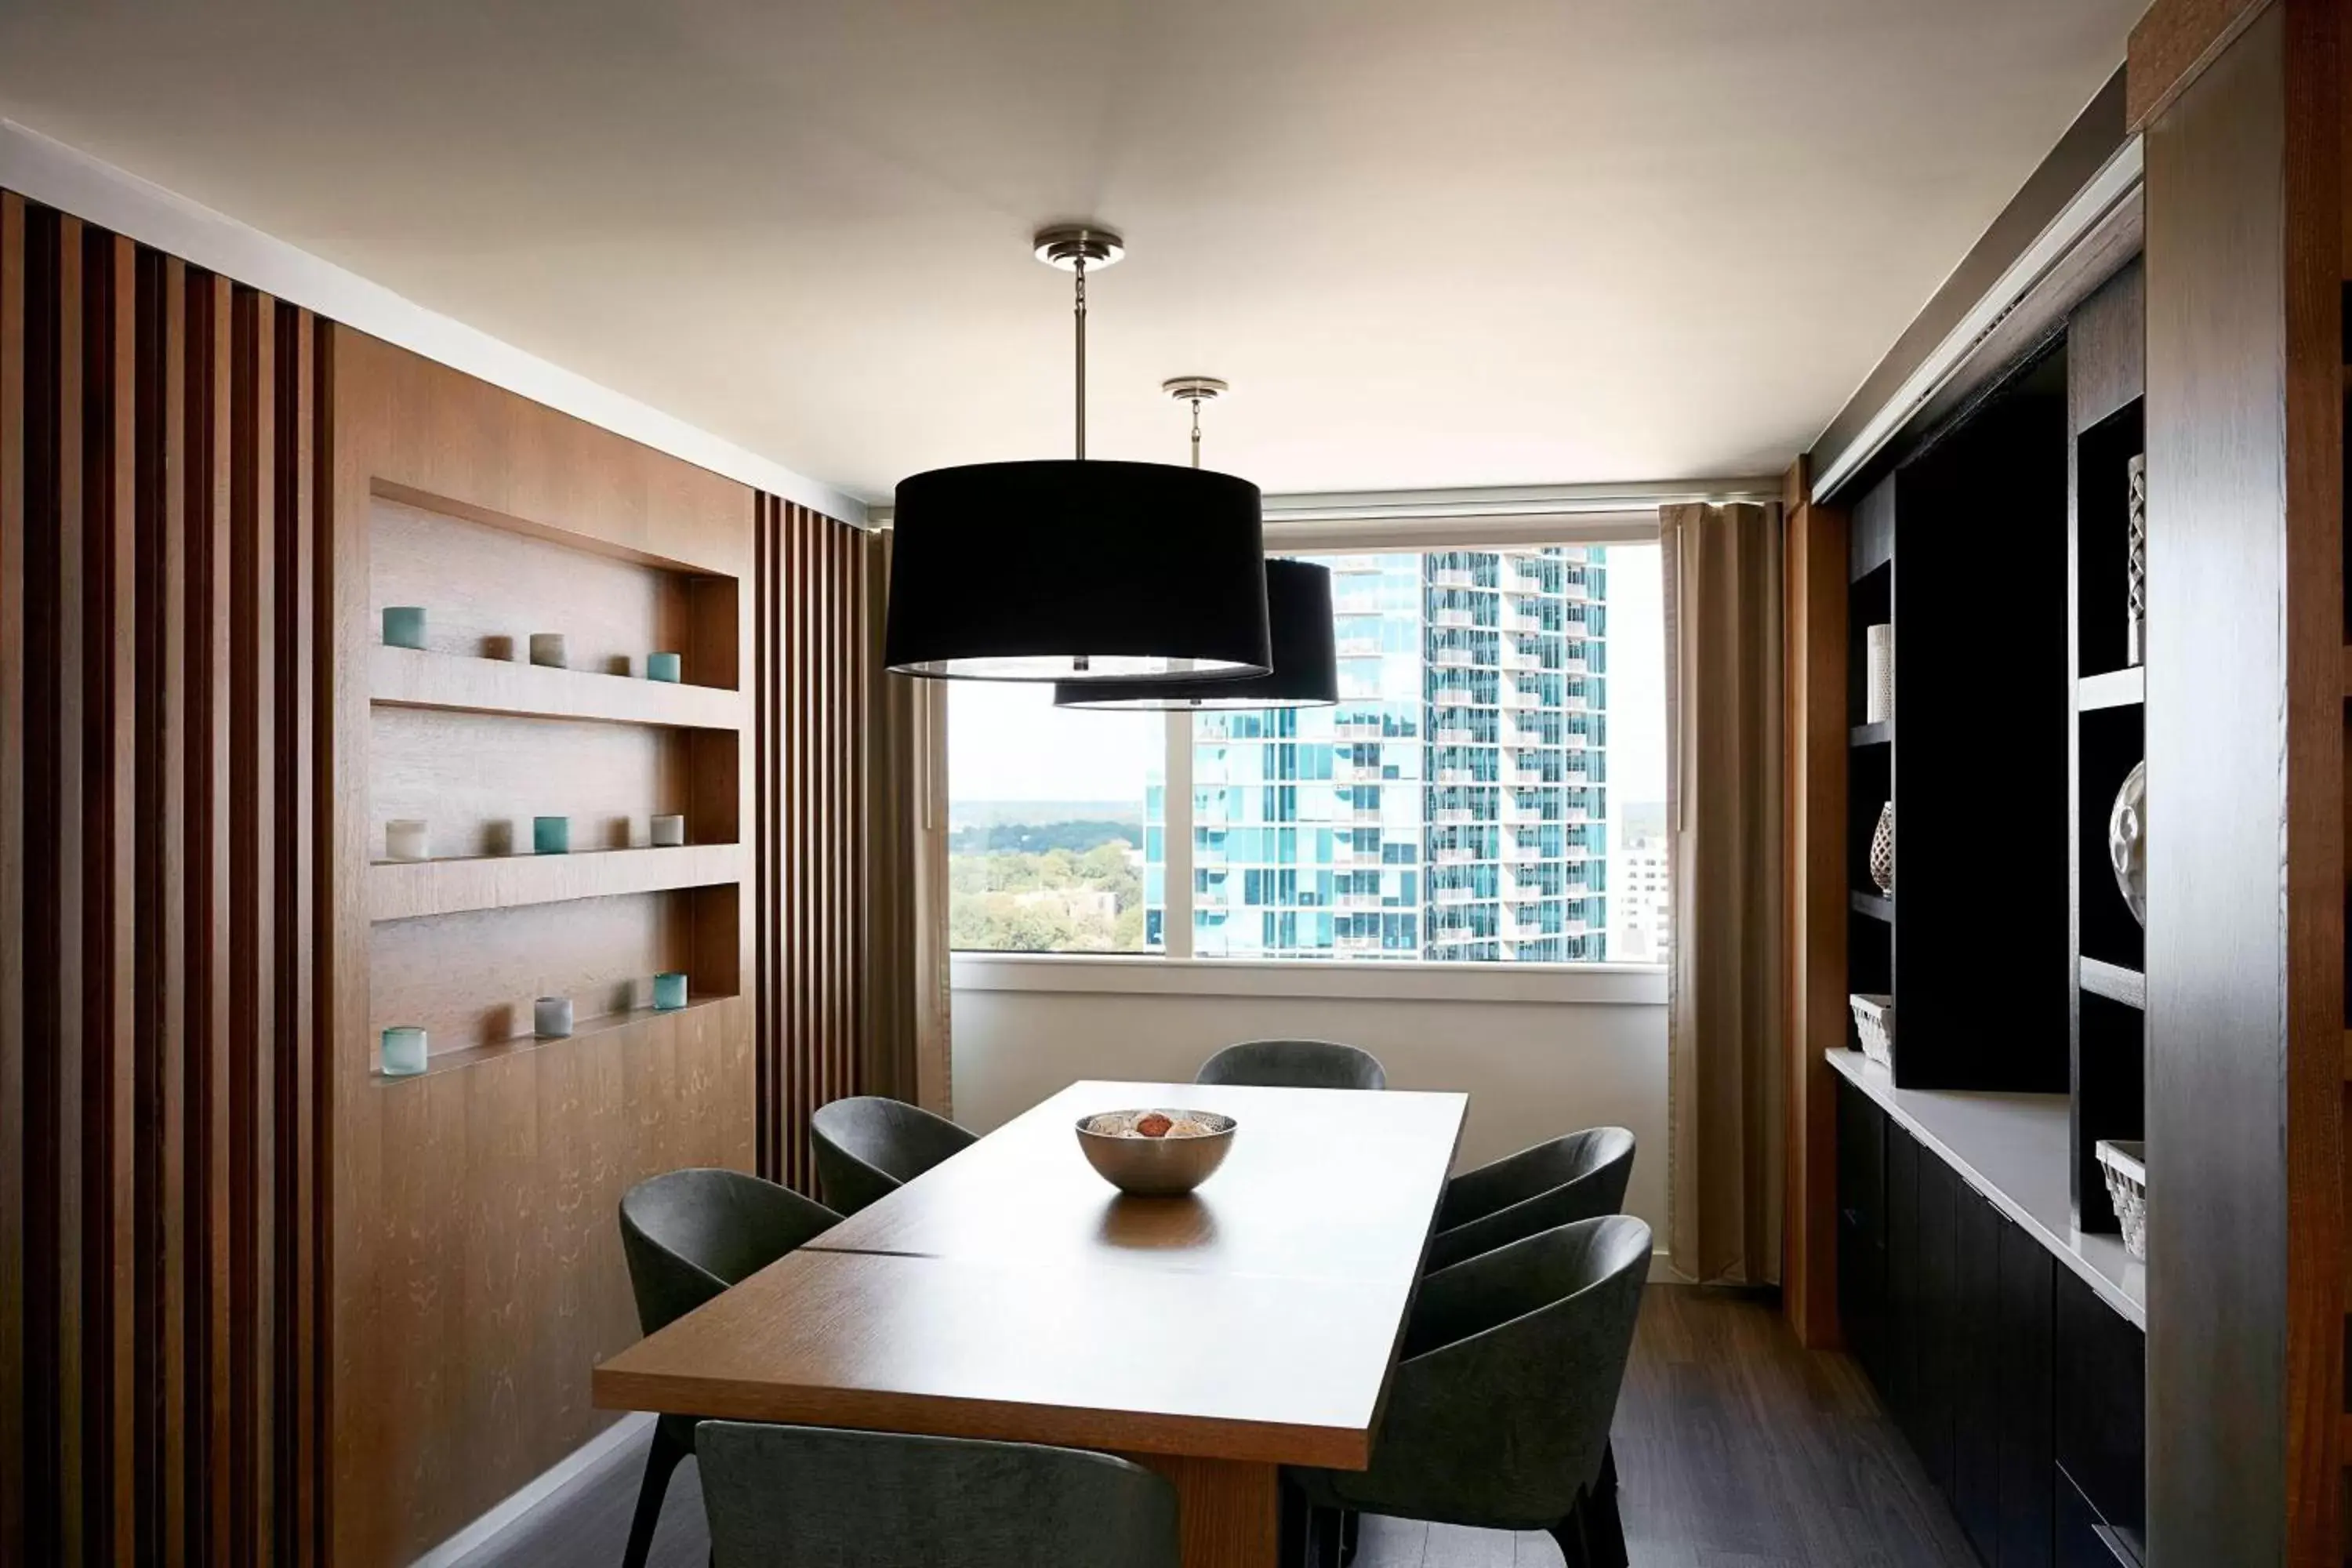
(1010, 1293)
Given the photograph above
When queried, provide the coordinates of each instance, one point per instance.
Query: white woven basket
(2125, 1165)
(1873, 1020)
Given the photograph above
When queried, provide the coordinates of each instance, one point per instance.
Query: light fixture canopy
(1072, 570)
(1306, 672)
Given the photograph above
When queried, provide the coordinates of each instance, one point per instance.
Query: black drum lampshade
(1306, 671)
(1078, 571)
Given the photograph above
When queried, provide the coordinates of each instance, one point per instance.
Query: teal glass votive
(551, 835)
(403, 626)
(669, 992)
(404, 1051)
(661, 667)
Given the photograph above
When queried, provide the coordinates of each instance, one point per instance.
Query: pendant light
(1306, 672)
(1077, 571)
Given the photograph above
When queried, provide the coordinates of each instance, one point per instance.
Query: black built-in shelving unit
(1951, 547)
(2107, 1018)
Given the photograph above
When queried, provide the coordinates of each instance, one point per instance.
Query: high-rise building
(1452, 807)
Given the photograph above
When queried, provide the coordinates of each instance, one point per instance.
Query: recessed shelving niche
(467, 735)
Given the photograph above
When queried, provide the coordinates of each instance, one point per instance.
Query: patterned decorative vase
(2127, 841)
(2136, 621)
(1882, 849)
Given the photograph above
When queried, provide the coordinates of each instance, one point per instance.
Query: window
(1490, 787)
(1050, 816)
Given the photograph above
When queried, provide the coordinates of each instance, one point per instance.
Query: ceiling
(1491, 242)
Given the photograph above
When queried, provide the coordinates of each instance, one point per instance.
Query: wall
(1532, 1069)
(161, 1152)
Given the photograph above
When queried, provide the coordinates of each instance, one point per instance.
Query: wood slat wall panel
(160, 1186)
(815, 645)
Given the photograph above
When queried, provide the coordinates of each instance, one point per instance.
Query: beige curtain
(1724, 1007)
(907, 1050)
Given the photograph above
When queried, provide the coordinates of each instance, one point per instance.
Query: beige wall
(1532, 1069)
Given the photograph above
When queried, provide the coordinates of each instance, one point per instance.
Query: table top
(1009, 1292)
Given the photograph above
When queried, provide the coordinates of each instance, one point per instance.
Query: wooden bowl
(1156, 1167)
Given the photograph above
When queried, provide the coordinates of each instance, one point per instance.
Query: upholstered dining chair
(867, 1147)
(1579, 1176)
(687, 1235)
(1498, 1415)
(1295, 1064)
(883, 1499)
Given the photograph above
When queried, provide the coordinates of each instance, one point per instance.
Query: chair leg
(1351, 1529)
(1324, 1531)
(1604, 1528)
(1569, 1533)
(662, 1458)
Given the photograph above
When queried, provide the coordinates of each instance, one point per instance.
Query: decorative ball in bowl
(1156, 1153)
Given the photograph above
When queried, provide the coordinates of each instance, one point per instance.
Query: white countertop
(2012, 1148)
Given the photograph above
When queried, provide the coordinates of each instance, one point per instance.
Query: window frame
(1173, 970)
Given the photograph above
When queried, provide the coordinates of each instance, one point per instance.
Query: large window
(1490, 788)
(1050, 813)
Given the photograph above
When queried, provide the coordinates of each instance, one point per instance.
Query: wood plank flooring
(1736, 1449)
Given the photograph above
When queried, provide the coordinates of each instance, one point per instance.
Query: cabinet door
(2026, 1471)
(1975, 1355)
(1905, 1310)
(1940, 1325)
(1862, 1230)
(2101, 1412)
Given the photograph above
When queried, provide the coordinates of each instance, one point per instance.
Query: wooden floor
(1736, 1449)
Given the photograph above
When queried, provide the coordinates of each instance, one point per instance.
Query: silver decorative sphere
(2127, 841)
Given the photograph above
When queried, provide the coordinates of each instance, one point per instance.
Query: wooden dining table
(1010, 1293)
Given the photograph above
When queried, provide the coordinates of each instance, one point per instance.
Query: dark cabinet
(2102, 1410)
(2016, 1386)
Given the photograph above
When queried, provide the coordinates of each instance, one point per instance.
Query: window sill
(1591, 984)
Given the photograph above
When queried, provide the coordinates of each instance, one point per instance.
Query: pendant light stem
(1196, 432)
(1079, 312)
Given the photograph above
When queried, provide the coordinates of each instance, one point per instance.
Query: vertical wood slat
(161, 1173)
(16, 1469)
(814, 641)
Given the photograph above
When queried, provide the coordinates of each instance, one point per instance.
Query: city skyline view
(1490, 787)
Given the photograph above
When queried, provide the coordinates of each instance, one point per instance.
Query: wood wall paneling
(258, 1305)
(478, 1268)
(818, 653)
(159, 1191)
(1817, 729)
(2246, 1291)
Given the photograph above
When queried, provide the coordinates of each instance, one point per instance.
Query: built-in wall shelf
(409, 889)
(2115, 688)
(2115, 982)
(440, 1062)
(1879, 734)
(1877, 906)
(413, 677)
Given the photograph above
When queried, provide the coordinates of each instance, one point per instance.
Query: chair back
(689, 1234)
(1295, 1064)
(869, 1146)
(883, 1499)
(1579, 1176)
(1499, 1413)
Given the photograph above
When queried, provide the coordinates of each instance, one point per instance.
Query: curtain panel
(1726, 1009)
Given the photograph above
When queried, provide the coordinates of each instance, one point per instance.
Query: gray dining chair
(867, 1147)
(829, 1497)
(1499, 1410)
(1579, 1176)
(1294, 1064)
(687, 1235)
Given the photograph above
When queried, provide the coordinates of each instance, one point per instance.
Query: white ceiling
(1488, 242)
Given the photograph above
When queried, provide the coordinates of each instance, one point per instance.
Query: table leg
(1231, 1512)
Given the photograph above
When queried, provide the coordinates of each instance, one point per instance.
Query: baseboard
(628, 1429)
(1662, 1269)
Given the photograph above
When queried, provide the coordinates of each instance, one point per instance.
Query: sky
(1006, 741)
